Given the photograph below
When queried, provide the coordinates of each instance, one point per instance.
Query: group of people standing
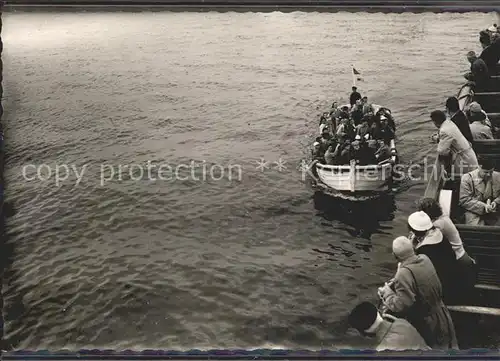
(479, 192)
(484, 65)
(434, 269)
(357, 132)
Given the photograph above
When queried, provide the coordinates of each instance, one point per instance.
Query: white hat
(357, 137)
(492, 28)
(382, 117)
(315, 144)
(420, 221)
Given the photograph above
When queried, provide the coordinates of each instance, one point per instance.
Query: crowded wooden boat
(356, 150)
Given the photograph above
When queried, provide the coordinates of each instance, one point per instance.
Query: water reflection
(361, 218)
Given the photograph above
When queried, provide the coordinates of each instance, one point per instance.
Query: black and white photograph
(229, 178)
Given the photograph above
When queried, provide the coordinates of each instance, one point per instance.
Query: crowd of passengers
(355, 133)
(433, 270)
(484, 65)
(433, 267)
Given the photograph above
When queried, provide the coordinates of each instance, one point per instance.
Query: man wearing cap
(381, 130)
(479, 72)
(480, 195)
(481, 127)
(454, 150)
(415, 293)
(387, 332)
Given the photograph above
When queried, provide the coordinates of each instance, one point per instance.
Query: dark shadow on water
(13, 311)
(361, 218)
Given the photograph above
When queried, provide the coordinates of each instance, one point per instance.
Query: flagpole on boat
(353, 75)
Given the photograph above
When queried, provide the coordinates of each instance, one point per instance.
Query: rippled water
(250, 262)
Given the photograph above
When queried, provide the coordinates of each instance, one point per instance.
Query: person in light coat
(454, 151)
(386, 332)
(480, 124)
(415, 294)
(480, 195)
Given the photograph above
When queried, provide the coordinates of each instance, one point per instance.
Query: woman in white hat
(429, 240)
(465, 264)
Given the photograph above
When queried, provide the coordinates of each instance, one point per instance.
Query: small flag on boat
(356, 73)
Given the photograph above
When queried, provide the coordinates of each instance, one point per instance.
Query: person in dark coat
(318, 152)
(415, 294)
(355, 96)
(491, 52)
(458, 117)
(381, 130)
(386, 332)
(429, 240)
(357, 112)
(479, 72)
(364, 127)
(362, 153)
(465, 278)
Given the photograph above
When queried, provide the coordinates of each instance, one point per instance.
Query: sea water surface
(253, 259)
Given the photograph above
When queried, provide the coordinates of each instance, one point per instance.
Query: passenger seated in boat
(480, 195)
(383, 151)
(415, 293)
(491, 52)
(364, 128)
(386, 332)
(479, 74)
(429, 240)
(454, 150)
(332, 152)
(317, 151)
(346, 128)
(345, 153)
(326, 123)
(465, 278)
(325, 132)
(355, 96)
(344, 113)
(361, 153)
(387, 113)
(381, 130)
(458, 117)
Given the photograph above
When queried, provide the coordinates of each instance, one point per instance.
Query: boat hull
(355, 178)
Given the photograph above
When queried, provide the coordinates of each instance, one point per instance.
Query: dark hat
(486, 163)
(363, 316)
